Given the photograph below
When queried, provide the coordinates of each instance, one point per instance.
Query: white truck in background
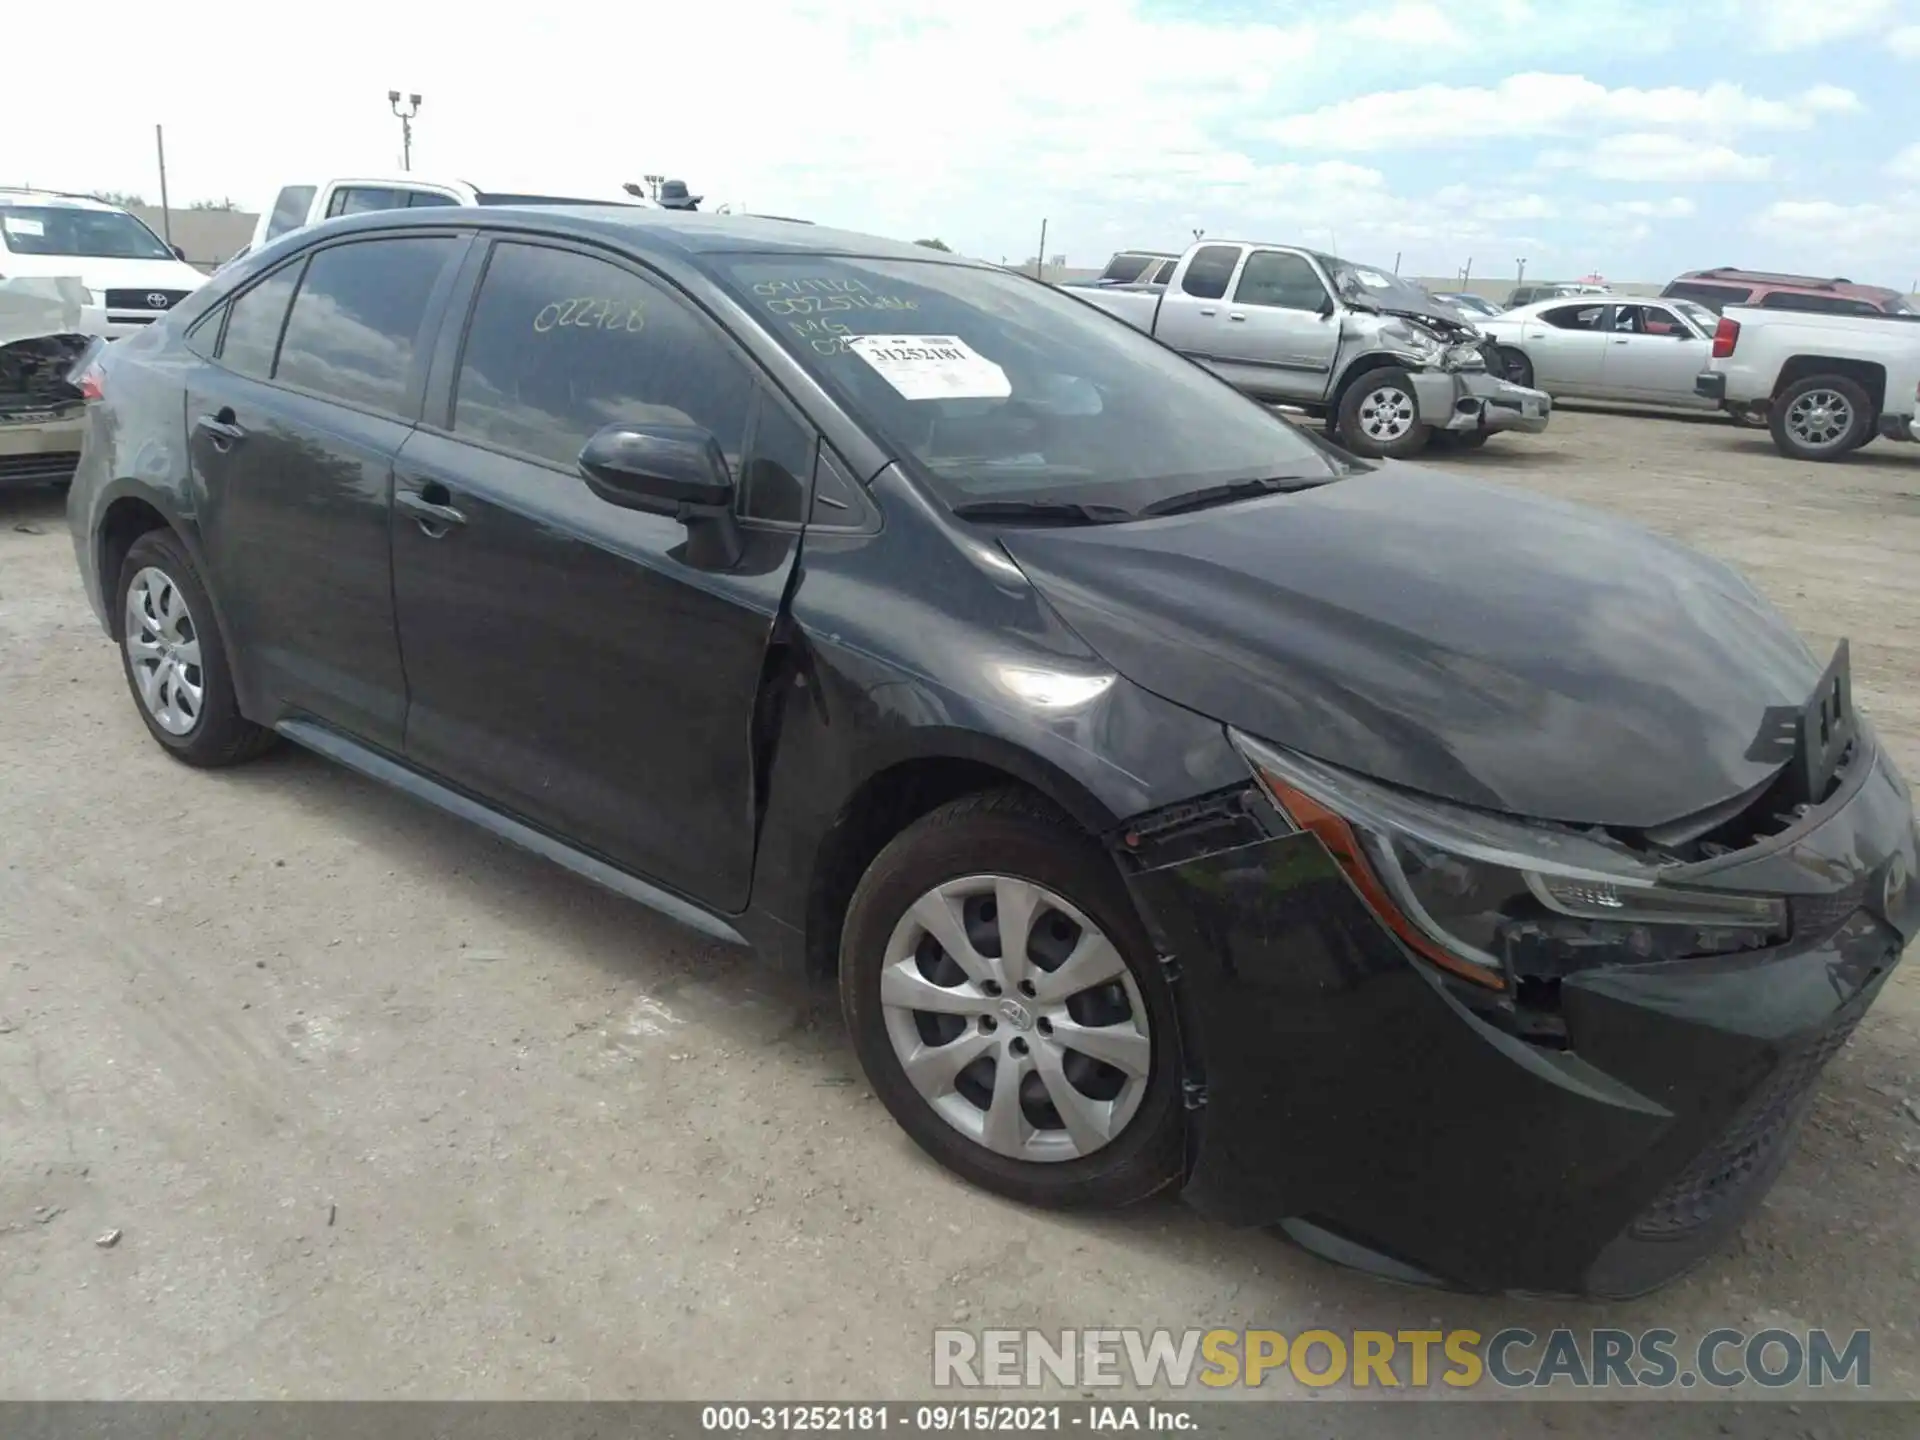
(297, 206)
(1825, 384)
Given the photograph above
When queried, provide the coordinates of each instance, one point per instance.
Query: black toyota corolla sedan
(1472, 885)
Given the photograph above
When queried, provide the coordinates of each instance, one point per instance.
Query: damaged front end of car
(1459, 382)
(1460, 1048)
(41, 409)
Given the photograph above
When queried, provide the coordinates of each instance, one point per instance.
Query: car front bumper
(40, 447)
(1470, 401)
(1383, 1115)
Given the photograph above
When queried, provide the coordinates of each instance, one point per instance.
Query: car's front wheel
(1380, 416)
(1519, 368)
(175, 663)
(1008, 1008)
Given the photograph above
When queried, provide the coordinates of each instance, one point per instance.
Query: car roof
(54, 199)
(668, 233)
(1768, 281)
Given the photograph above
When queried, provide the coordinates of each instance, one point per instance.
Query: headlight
(1501, 901)
(1415, 341)
(1467, 356)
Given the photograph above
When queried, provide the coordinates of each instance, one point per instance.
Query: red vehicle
(1718, 288)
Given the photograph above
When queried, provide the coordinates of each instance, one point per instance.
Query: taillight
(1726, 335)
(91, 382)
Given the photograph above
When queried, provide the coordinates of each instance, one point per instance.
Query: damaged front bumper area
(1474, 401)
(1596, 1135)
(42, 415)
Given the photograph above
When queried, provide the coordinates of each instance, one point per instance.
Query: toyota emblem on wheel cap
(156, 300)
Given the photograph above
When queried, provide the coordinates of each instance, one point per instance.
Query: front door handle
(222, 428)
(432, 509)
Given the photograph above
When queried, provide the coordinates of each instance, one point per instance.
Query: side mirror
(1327, 308)
(675, 470)
(179, 252)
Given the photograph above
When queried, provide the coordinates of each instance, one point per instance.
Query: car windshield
(1703, 318)
(1900, 307)
(994, 387)
(1376, 288)
(70, 230)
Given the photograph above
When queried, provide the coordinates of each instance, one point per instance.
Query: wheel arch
(1869, 375)
(1363, 365)
(898, 790)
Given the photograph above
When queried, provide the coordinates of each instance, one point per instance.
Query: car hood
(1465, 640)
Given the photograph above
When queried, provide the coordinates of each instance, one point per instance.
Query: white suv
(132, 277)
(300, 205)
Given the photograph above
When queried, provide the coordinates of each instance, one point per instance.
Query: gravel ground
(380, 1107)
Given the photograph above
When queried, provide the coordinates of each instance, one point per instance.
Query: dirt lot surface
(380, 1107)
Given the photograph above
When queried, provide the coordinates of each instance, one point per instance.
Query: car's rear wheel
(175, 664)
(1820, 417)
(1519, 369)
(1380, 416)
(1008, 1008)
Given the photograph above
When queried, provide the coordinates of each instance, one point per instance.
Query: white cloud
(1822, 235)
(1906, 165)
(1677, 207)
(1542, 104)
(1659, 159)
(1797, 25)
(1905, 42)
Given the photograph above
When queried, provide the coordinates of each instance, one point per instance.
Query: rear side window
(290, 210)
(1126, 268)
(365, 199)
(563, 344)
(356, 320)
(1824, 304)
(1575, 317)
(1209, 271)
(1285, 282)
(254, 318)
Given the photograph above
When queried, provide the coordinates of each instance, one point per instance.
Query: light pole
(1521, 277)
(406, 125)
(653, 184)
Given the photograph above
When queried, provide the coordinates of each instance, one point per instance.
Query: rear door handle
(432, 509)
(222, 428)
(1235, 315)
(1208, 310)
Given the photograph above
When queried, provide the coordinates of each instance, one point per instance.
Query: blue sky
(1632, 138)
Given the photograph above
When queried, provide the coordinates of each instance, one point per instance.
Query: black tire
(1351, 425)
(1518, 367)
(1458, 439)
(1867, 439)
(219, 734)
(1787, 436)
(1014, 833)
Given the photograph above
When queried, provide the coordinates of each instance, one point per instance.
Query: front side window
(71, 230)
(563, 344)
(254, 321)
(290, 210)
(1715, 297)
(357, 319)
(994, 387)
(1210, 270)
(1280, 280)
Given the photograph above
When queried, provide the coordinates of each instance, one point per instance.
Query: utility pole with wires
(166, 210)
(406, 125)
(1040, 255)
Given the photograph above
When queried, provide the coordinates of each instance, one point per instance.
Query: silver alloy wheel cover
(932, 1070)
(162, 640)
(1820, 419)
(1387, 414)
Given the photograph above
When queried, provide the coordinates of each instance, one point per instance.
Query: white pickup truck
(1825, 384)
(1390, 368)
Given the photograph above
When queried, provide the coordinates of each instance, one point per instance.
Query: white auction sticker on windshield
(1373, 279)
(23, 225)
(932, 367)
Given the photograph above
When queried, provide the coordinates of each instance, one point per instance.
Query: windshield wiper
(1042, 512)
(1234, 490)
